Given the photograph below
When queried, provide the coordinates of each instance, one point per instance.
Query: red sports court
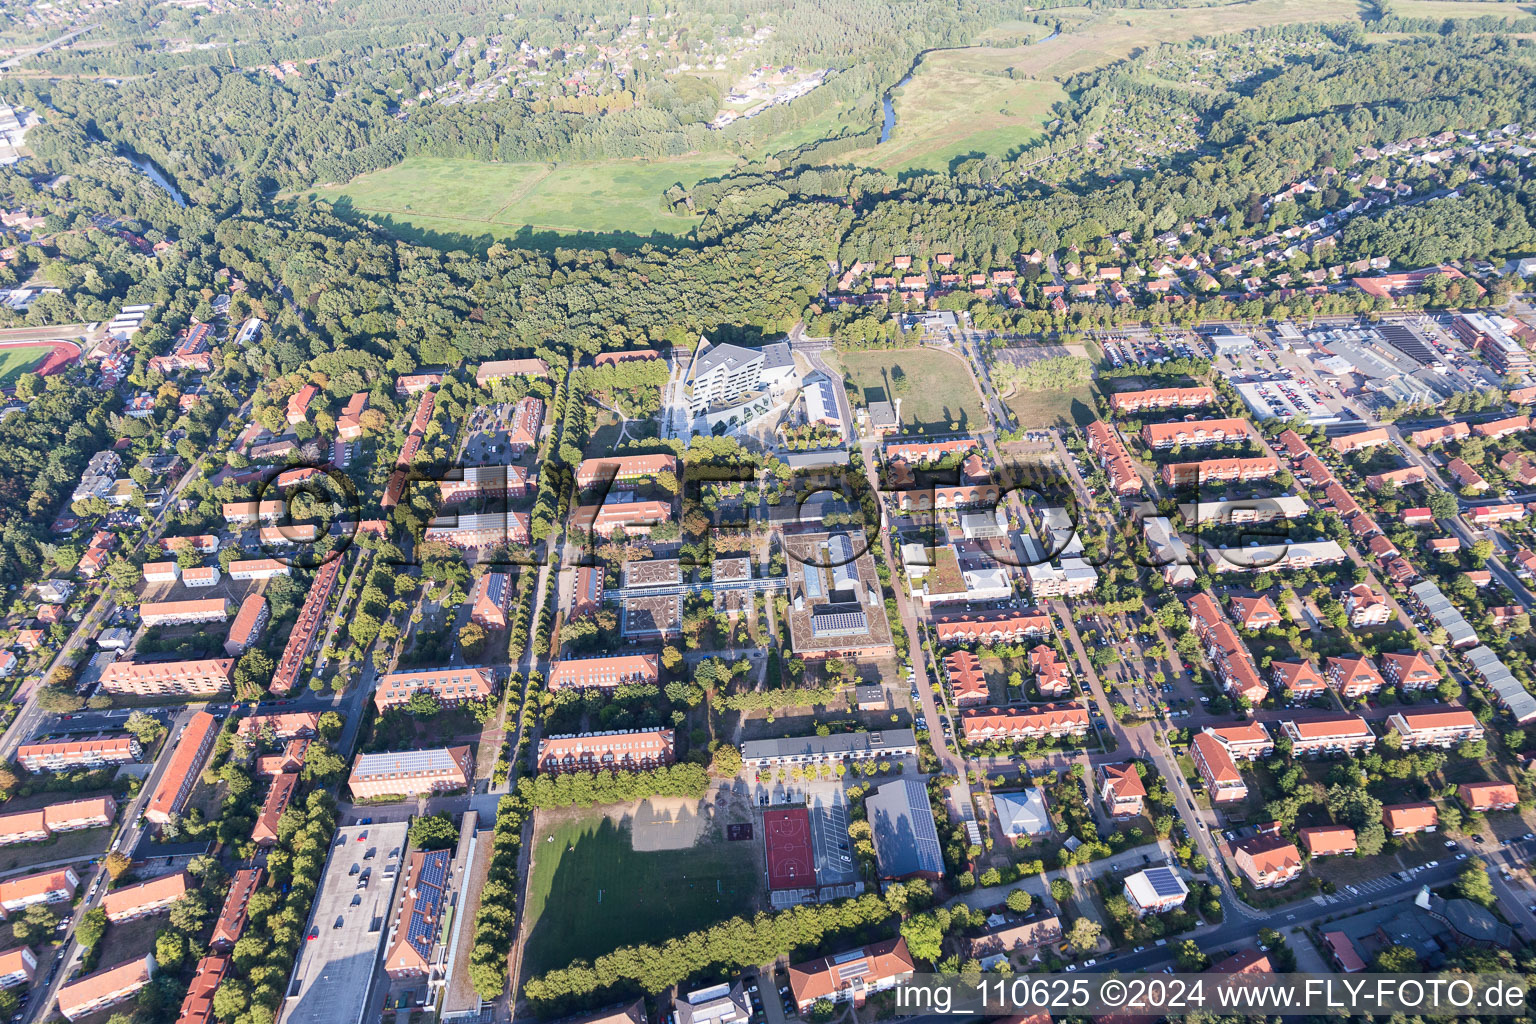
(787, 839)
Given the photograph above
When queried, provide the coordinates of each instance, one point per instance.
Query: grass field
(600, 893)
(1093, 40)
(1462, 9)
(942, 398)
(16, 361)
(478, 199)
(1036, 409)
(944, 114)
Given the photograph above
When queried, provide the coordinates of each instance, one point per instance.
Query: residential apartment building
(624, 469)
(1328, 840)
(1333, 735)
(1267, 861)
(1406, 819)
(56, 885)
(1488, 796)
(1366, 606)
(981, 724)
(186, 764)
(69, 754)
(258, 569)
(248, 626)
(197, 1005)
(179, 613)
(18, 966)
(168, 678)
(279, 796)
(489, 599)
(1223, 782)
(477, 482)
(1195, 434)
(135, 901)
(1410, 670)
(1353, 677)
(1104, 442)
(606, 751)
(1435, 728)
(604, 673)
(283, 726)
(1208, 471)
(991, 627)
(876, 745)
(105, 988)
(448, 685)
(621, 512)
(409, 773)
(1161, 398)
(1121, 790)
(235, 914)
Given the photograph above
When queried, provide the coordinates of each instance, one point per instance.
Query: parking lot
(829, 838)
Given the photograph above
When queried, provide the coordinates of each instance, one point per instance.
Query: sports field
(590, 891)
(940, 397)
(16, 361)
(475, 198)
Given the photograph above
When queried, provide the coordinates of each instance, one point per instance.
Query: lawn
(476, 199)
(947, 114)
(1462, 9)
(16, 361)
(88, 842)
(603, 894)
(941, 398)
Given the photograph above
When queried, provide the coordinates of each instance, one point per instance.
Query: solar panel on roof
(839, 624)
(1164, 882)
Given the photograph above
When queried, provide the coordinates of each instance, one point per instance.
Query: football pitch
(16, 361)
(590, 891)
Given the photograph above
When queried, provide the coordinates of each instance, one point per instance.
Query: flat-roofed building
(135, 901)
(89, 753)
(1347, 734)
(489, 599)
(177, 613)
(604, 673)
(105, 988)
(167, 678)
(1435, 728)
(606, 751)
(448, 685)
(185, 765)
(876, 745)
(247, 628)
(409, 773)
(1155, 890)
